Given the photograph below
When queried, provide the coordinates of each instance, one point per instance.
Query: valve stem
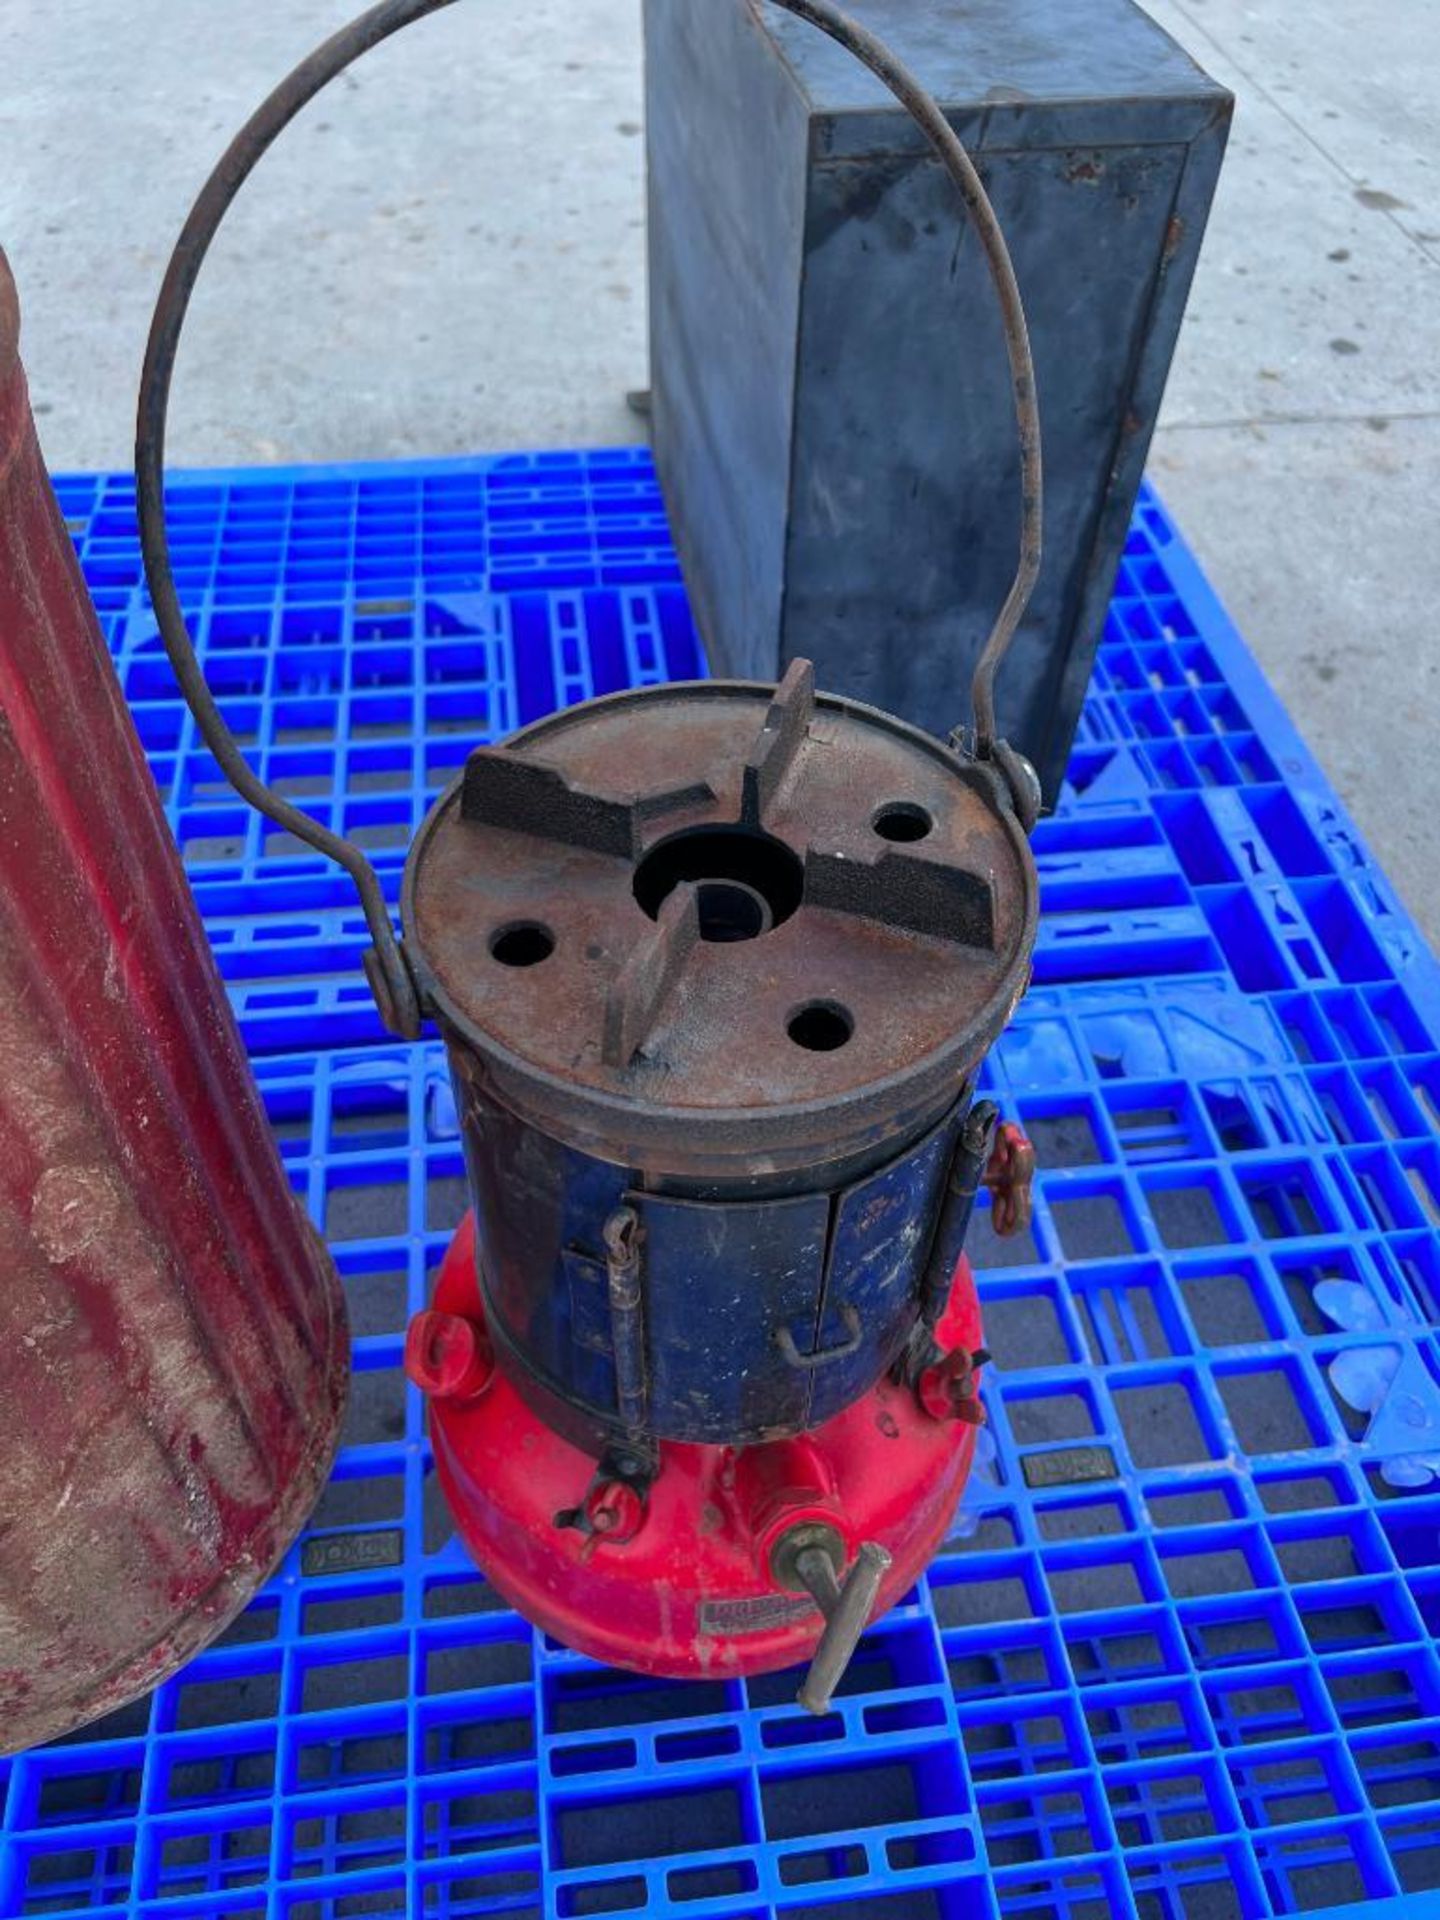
(847, 1610)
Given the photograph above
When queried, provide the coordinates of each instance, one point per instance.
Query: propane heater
(716, 966)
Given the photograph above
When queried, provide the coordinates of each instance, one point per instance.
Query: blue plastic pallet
(1179, 1658)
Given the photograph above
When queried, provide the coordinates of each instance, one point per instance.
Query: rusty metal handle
(386, 966)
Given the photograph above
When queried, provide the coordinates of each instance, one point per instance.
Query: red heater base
(678, 1583)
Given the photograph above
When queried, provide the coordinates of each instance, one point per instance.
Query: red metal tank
(173, 1345)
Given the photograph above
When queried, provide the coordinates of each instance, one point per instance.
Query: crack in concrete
(1376, 416)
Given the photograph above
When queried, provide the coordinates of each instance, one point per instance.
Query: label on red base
(762, 1613)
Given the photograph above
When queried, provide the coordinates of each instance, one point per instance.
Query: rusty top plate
(722, 923)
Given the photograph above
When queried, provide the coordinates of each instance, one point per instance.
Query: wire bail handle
(385, 965)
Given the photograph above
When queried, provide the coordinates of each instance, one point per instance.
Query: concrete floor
(1300, 447)
(447, 253)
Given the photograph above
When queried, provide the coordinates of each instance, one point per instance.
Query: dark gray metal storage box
(832, 411)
